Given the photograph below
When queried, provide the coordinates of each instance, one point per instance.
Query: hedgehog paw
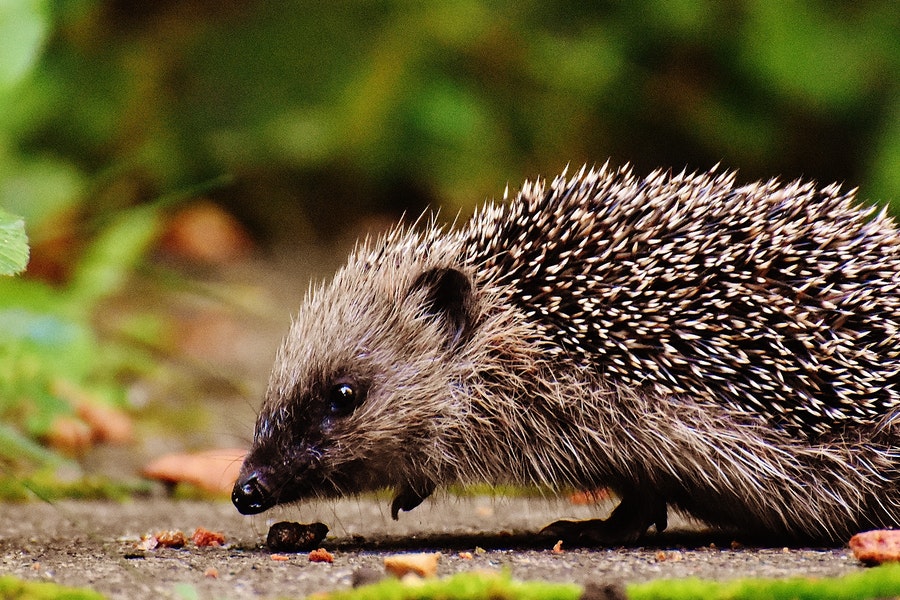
(627, 523)
(409, 497)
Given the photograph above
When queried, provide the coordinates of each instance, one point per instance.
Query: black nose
(251, 496)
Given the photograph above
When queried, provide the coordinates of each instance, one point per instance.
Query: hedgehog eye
(343, 398)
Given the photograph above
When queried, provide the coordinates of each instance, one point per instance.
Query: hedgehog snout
(251, 495)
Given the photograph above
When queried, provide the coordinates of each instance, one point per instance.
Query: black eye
(343, 397)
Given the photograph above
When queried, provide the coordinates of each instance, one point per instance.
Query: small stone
(321, 555)
(204, 537)
(603, 591)
(423, 565)
(876, 547)
(171, 539)
(365, 576)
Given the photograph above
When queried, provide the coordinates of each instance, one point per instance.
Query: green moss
(16, 589)
(463, 586)
(45, 485)
(880, 582)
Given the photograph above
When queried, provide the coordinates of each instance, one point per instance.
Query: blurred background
(185, 167)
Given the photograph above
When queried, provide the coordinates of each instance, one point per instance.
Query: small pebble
(423, 565)
(603, 591)
(365, 576)
(321, 555)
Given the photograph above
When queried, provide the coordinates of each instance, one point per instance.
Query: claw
(409, 497)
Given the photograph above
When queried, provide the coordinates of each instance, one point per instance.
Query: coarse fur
(731, 352)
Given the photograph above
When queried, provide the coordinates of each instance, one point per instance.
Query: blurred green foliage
(307, 115)
(46, 485)
(323, 110)
(13, 588)
(48, 338)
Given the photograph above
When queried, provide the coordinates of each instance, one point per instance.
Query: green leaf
(38, 189)
(114, 254)
(13, 243)
(23, 28)
(15, 446)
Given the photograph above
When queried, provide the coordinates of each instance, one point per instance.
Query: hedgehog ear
(448, 297)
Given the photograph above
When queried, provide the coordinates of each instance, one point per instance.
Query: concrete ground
(93, 544)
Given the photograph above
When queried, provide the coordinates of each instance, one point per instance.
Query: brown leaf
(204, 232)
(211, 470)
(69, 435)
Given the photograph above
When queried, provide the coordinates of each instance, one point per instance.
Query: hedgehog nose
(250, 495)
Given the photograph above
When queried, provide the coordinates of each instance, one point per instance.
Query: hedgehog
(730, 352)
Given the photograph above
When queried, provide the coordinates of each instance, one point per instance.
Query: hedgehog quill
(730, 352)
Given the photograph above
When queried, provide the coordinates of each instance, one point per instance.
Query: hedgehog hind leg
(409, 497)
(629, 521)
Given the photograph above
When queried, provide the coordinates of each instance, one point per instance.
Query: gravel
(94, 544)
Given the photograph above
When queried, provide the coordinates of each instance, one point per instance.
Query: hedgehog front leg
(629, 521)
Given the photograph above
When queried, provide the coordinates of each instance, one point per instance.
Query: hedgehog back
(780, 301)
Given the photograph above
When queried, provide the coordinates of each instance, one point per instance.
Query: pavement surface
(93, 544)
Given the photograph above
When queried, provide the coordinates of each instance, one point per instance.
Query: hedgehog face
(362, 391)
